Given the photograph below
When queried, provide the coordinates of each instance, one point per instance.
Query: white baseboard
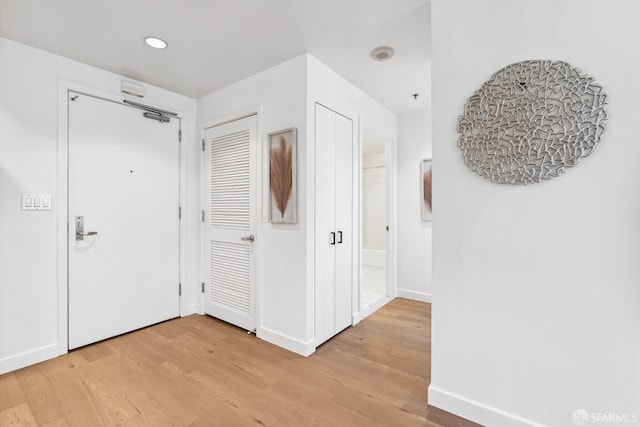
(476, 411)
(300, 347)
(31, 357)
(367, 311)
(373, 257)
(416, 296)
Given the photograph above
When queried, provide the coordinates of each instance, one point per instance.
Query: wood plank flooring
(198, 371)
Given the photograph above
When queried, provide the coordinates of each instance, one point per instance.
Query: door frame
(391, 249)
(260, 192)
(62, 203)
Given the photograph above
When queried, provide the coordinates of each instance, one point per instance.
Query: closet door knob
(339, 236)
(332, 238)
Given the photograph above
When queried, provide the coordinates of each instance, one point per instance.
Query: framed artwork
(283, 204)
(425, 185)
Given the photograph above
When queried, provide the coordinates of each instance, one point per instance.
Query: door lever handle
(80, 233)
(249, 238)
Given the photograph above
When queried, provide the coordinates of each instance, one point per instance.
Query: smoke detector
(382, 53)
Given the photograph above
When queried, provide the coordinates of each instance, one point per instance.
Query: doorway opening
(374, 224)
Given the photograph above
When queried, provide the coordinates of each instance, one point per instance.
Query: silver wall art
(530, 121)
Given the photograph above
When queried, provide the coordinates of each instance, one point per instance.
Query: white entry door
(123, 186)
(230, 224)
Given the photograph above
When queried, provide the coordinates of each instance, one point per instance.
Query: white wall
(29, 311)
(536, 289)
(280, 92)
(414, 235)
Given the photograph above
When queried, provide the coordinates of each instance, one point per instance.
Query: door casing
(391, 247)
(61, 204)
(228, 234)
(260, 191)
(132, 264)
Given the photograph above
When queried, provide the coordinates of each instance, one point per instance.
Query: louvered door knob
(249, 238)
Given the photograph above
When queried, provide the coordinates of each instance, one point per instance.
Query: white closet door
(124, 184)
(344, 221)
(230, 224)
(325, 227)
(333, 227)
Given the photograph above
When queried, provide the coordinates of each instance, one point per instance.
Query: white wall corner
(476, 411)
(303, 348)
(190, 309)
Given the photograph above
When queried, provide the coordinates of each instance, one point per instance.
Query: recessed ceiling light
(382, 53)
(155, 42)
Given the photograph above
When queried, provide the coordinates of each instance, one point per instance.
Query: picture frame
(425, 190)
(283, 200)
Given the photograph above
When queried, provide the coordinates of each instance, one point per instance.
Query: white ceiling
(213, 43)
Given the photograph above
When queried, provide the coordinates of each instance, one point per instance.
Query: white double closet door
(124, 187)
(334, 237)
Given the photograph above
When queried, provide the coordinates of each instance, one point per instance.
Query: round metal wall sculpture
(530, 121)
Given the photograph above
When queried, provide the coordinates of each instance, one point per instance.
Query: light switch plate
(36, 202)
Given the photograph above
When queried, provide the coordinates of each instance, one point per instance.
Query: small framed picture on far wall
(425, 186)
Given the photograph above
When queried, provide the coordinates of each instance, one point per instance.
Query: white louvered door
(230, 221)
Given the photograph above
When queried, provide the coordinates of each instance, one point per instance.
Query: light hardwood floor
(198, 371)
